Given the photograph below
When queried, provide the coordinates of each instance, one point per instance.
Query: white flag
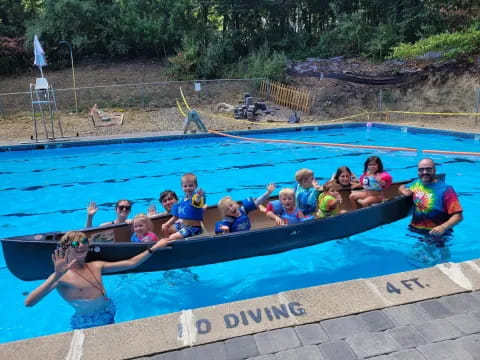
(39, 53)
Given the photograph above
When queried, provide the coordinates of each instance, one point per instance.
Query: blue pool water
(45, 190)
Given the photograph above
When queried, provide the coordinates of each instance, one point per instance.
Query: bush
(262, 63)
(447, 45)
(12, 54)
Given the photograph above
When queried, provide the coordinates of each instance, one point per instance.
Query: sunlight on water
(49, 190)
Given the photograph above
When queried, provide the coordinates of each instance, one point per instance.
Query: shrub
(448, 45)
(12, 54)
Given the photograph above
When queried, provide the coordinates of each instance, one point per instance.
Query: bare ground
(446, 91)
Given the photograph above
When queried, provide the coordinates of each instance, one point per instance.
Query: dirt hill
(451, 87)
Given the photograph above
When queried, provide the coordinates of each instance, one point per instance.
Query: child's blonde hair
(70, 236)
(303, 174)
(189, 177)
(287, 191)
(223, 203)
(145, 219)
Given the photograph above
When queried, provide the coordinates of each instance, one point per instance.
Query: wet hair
(189, 177)
(167, 193)
(341, 170)
(70, 236)
(287, 191)
(145, 219)
(119, 201)
(222, 204)
(303, 174)
(331, 186)
(375, 159)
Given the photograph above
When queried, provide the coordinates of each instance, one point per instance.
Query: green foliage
(214, 34)
(449, 45)
(260, 64)
(346, 38)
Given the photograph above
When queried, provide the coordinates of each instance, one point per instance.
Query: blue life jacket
(292, 218)
(240, 223)
(306, 199)
(185, 209)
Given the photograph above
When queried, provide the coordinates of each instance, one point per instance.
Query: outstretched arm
(61, 265)
(270, 189)
(109, 267)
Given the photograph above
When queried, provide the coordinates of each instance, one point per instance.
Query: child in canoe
(235, 216)
(284, 211)
(189, 210)
(374, 179)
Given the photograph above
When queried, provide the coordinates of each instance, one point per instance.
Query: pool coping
(192, 327)
(177, 135)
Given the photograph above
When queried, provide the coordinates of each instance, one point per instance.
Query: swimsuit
(187, 230)
(103, 315)
(148, 237)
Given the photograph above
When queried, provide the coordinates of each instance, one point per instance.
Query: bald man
(437, 208)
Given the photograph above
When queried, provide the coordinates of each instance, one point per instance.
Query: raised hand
(271, 187)
(152, 210)
(60, 261)
(92, 208)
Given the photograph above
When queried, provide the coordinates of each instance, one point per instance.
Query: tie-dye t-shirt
(434, 204)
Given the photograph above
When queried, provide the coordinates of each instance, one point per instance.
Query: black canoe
(29, 257)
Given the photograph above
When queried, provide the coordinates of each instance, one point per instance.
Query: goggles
(76, 244)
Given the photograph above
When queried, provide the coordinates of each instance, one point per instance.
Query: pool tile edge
(220, 322)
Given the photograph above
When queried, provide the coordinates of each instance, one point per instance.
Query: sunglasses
(425, 169)
(76, 244)
(124, 207)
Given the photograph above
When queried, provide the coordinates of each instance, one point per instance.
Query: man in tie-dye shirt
(437, 208)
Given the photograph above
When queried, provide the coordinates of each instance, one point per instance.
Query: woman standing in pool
(373, 180)
(80, 283)
(122, 209)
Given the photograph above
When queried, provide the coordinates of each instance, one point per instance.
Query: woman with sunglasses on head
(122, 209)
(80, 283)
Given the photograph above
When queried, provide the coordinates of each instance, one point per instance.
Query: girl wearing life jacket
(374, 180)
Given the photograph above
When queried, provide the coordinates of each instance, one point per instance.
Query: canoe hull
(30, 259)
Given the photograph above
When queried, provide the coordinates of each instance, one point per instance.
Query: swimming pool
(49, 190)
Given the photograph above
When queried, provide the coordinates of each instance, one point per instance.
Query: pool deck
(428, 314)
(432, 314)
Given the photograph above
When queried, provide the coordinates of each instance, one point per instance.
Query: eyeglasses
(76, 244)
(124, 207)
(425, 169)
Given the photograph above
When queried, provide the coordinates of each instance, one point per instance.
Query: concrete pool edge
(177, 135)
(194, 327)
